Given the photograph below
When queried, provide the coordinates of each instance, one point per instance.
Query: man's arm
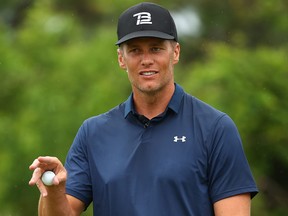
(238, 205)
(60, 205)
(54, 200)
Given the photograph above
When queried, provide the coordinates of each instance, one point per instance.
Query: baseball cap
(146, 20)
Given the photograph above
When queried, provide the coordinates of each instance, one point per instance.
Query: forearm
(54, 204)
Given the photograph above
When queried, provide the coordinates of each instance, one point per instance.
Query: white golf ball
(47, 178)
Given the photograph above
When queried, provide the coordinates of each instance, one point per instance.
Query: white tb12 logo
(143, 18)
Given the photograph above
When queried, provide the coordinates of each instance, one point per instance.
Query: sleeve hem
(252, 190)
(79, 196)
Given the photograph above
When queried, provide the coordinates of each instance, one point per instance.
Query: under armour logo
(182, 139)
(143, 18)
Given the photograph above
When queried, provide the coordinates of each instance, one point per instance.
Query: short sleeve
(79, 181)
(229, 172)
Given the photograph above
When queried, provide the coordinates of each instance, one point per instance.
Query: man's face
(149, 63)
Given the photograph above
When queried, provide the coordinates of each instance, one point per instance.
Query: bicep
(76, 205)
(238, 205)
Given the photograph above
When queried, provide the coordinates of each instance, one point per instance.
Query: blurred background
(58, 66)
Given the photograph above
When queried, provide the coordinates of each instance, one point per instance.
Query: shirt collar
(174, 103)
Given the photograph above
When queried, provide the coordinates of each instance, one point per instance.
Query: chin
(150, 89)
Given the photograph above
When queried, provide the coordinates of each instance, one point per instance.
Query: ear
(121, 60)
(176, 53)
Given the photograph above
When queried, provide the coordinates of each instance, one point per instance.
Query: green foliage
(261, 21)
(251, 86)
(58, 66)
(54, 75)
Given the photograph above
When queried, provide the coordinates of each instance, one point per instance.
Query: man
(161, 152)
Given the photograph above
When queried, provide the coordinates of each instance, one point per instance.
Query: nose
(147, 59)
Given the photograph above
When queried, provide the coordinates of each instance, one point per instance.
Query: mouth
(148, 73)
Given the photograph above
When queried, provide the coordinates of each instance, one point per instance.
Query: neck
(151, 105)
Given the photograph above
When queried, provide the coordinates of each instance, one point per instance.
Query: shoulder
(202, 112)
(207, 121)
(104, 119)
(113, 113)
(202, 107)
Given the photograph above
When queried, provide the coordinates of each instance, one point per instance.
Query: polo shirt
(176, 164)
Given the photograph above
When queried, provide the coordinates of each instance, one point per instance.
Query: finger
(41, 162)
(49, 163)
(37, 173)
(60, 177)
(42, 188)
(48, 160)
(56, 180)
(34, 165)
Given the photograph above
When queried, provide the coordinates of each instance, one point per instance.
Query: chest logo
(182, 139)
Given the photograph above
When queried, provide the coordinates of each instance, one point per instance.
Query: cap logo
(143, 18)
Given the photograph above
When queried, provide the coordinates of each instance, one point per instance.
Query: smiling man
(149, 63)
(162, 152)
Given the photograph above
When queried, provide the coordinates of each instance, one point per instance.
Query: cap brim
(139, 34)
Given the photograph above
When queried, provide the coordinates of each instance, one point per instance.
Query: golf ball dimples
(47, 178)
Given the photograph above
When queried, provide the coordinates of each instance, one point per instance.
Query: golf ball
(47, 178)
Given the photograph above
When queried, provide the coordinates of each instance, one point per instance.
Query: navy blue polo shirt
(178, 163)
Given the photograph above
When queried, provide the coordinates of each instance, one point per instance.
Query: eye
(134, 50)
(156, 49)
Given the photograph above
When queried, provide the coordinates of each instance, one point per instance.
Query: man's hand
(42, 164)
